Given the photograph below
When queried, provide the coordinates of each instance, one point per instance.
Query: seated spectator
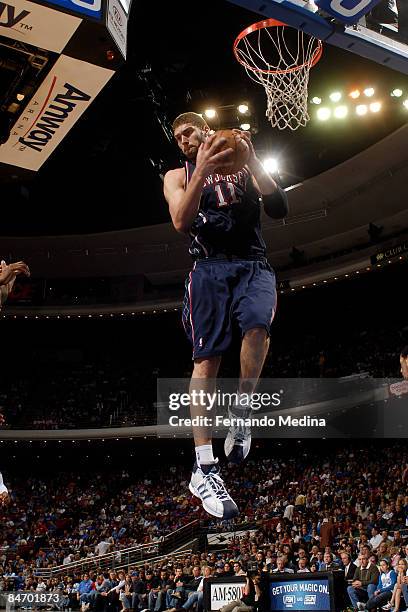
(247, 601)
(302, 566)
(364, 582)
(385, 587)
(281, 566)
(397, 594)
(196, 597)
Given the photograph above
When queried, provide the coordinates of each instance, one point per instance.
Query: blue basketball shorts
(219, 292)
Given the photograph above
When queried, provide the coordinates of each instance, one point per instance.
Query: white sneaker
(361, 605)
(238, 441)
(207, 484)
(387, 606)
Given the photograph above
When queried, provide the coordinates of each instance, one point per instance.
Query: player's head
(404, 362)
(190, 130)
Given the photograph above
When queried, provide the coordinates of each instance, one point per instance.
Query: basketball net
(280, 59)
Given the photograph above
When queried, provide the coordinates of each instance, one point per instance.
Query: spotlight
(405, 104)
(316, 100)
(355, 94)
(375, 107)
(210, 113)
(340, 112)
(369, 92)
(335, 96)
(270, 164)
(245, 126)
(361, 109)
(396, 93)
(323, 114)
(243, 108)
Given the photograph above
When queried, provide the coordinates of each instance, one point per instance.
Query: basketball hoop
(280, 61)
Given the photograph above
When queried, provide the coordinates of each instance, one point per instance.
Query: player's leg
(206, 321)
(254, 348)
(254, 309)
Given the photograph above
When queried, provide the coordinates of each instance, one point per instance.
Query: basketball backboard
(381, 34)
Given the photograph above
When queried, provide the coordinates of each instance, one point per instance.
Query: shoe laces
(214, 481)
(240, 431)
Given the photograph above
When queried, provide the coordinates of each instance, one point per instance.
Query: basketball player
(3, 488)
(8, 274)
(404, 362)
(4, 496)
(231, 281)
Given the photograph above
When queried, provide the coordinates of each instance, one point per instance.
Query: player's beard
(191, 154)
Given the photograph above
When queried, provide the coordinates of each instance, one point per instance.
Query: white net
(280, 59)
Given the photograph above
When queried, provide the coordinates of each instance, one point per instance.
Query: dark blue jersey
(228, 219)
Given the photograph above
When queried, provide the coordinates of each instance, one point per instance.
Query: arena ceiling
(106, 176)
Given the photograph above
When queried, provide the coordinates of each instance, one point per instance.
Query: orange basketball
(240, 155)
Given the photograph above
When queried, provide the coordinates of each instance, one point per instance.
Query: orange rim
(274, 23)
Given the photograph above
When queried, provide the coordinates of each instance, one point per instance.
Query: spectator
(281, 566)
(247, 601)
(364, 582)
(385, 587)
(376, 539)
(397, 593)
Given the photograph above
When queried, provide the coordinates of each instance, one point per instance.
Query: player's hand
(209, 155)
(246, 136)
(4, 499)
(9, 272)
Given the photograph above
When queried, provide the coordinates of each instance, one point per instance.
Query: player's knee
(257, 334)
(206, 367)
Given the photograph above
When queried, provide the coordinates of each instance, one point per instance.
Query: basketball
(240, 155)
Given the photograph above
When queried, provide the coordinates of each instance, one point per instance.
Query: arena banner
(301, 592)
(219, 592)
(89, 8)
(65, 94)
(215, 539)
(390, 253)
(347, 11)
(287, 407)
(33, 24)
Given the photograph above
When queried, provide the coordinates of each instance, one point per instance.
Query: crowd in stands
(116, 393)
(307, 512)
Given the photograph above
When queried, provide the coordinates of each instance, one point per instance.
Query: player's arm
(184, 203)
(274, 198)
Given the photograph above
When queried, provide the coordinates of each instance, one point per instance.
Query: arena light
(335, 96)
(316, 100)
(369, 92)
(323, 114)
(243, 108)
(355, 94)
(341, 112)
(210, 113)
(375, 107)
(245, 126)
(270, 164)
(361, 109)
(396, 93)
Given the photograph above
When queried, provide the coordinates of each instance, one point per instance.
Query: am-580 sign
(349, 11)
